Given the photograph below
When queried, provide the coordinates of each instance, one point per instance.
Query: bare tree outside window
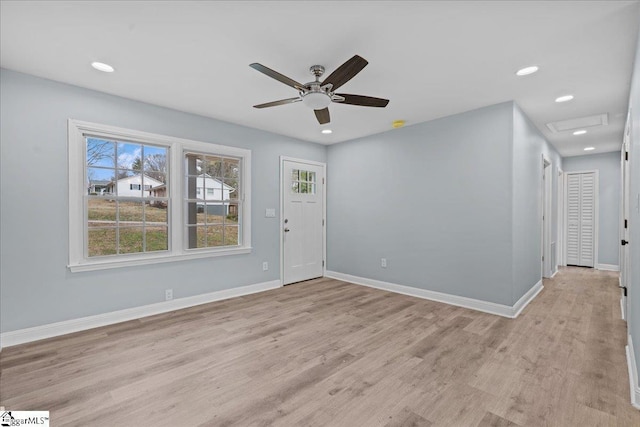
(99, 150)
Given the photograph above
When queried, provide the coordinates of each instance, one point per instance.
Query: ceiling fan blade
(345, 72)
(280, 102)
(365, 101)
(279, 77)
(322, 116)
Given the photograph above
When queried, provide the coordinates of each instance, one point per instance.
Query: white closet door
(581, 208)
(587, 219)
(573, 219)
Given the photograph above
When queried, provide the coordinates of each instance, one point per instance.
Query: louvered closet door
(581, 219)
(587, 219)
(573, 219)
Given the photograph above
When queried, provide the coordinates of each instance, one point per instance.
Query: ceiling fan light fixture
(316, 100)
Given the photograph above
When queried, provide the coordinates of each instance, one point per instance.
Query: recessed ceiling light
(580, 132)
(564, 98)
(327, 131)
(527, 70)
(589, 148)
(101, 66)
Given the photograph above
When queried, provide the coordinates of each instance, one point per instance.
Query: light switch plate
(270, 213)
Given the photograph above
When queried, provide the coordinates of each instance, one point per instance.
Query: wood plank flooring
(329, 353)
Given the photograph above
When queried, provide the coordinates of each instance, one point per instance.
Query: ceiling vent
(579, 123)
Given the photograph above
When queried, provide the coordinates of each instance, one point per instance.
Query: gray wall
(36, 286)
(633, 297)
(453, 204)
(437, 199)
(608, 165)
(529, 145)
(433, 198)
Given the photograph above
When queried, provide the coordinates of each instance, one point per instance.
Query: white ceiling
(431, 59)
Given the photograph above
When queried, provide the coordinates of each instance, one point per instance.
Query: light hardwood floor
(328, 353)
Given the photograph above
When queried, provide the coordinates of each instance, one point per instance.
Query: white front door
(302, 220)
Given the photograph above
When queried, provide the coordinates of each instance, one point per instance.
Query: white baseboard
(526, 299)
(623, 304)
(21, 336)
(633, 374)
(473, 304)
(608, 267)
(554, 273)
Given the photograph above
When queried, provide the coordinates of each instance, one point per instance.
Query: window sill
(105, 264)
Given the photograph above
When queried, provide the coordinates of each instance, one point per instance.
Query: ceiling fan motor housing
(316, 70)
(316, 97)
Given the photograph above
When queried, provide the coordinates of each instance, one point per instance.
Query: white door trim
(547, 180)
(324, 211)
(560, 223)
(625, 215)
(596, 202)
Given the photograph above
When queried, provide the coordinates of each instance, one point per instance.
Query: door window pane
(303, 182)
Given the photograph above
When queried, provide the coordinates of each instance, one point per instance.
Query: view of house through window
(138, 198)
(127, 199)
(212, 200)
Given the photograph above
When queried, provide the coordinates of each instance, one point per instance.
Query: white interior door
(581, 219)
(560, 231)
(302, 220)
(624, 223)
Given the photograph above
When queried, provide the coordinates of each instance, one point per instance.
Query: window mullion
(176, 198)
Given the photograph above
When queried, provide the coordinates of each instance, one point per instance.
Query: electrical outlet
(168, 294)
(265, 266)
(383, 262)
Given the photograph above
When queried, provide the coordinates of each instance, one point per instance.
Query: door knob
(624, 242)
(286, 230)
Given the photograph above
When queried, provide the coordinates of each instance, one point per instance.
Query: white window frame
(177, 147)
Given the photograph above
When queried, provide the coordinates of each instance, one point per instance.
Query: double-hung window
(139, 198)
(125, 219)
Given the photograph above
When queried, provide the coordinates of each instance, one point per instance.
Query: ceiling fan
(318, 95)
